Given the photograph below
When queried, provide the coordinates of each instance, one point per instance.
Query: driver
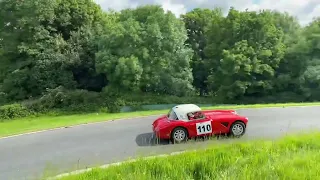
(191, 116)
(198, 115)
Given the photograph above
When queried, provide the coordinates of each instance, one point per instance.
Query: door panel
(200, 127)
(218, 127)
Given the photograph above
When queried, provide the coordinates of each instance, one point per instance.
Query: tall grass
(293, 157)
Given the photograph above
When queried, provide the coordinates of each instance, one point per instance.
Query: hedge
(14, 111)
(63, 101)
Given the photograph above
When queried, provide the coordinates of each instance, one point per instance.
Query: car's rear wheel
(179, 135)
(237, 129)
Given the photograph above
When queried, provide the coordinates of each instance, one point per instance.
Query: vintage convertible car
(188, 120)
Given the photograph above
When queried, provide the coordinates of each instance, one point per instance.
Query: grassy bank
(29, 124)
(293, 157)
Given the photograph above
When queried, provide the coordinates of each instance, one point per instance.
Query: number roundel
(204, 128)
(208, 127)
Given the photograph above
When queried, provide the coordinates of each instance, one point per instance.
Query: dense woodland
(65, 53)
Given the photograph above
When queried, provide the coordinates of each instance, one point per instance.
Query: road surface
(63, 150)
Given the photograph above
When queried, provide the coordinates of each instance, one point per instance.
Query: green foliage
(144, 51)
(249, 56)
(71, 56)
(13, 111)
(48, 44)
(3, 98)
(146, 99)
(83, 101)
(67, 101)
(197, 22)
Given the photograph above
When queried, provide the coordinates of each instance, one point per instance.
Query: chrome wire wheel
(238, 129)
(179, 135)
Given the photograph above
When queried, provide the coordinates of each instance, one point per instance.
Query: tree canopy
(76, 45)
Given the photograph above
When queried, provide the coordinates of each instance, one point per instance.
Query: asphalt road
(58, 151)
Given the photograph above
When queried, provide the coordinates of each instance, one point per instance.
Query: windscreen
(172, 115)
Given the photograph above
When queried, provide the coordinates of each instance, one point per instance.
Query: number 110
(204, 128)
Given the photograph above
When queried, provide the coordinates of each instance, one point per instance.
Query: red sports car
(188, 120)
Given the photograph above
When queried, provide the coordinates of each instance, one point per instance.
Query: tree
(196, 22)
(309, 79)
(44, 41)
(76, 46)
(246, 51)
(144, 50)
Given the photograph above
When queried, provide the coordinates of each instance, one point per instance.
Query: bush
(67, 101)
(64, 101)
(110, 100)
(139, 99)
(14, 111)
(136, 106)
(114, 106)
(113, 99)
(283, 97)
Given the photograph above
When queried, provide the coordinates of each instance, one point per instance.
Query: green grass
(293, 157)
(29, 124)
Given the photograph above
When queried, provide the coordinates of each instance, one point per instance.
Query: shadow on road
(147, 139)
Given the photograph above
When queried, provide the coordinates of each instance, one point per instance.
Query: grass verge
(293, 157)
(30, 124)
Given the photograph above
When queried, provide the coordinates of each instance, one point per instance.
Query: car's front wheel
(237, 129)
(179, 135)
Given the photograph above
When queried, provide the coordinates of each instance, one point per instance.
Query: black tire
(237, 129)
(177, 133)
